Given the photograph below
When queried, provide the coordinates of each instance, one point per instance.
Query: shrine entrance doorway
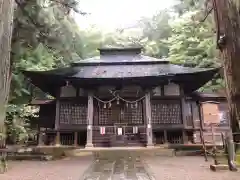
(119, 132)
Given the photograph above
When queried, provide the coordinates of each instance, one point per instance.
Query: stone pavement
(117, 165)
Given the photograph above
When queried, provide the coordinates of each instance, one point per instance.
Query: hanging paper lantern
(117, 100)
(109, 105)
(104, 106)
(136, 104)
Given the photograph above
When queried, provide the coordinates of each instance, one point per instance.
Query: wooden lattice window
(73, 113)
(105, 115)
(79, 114)
(133, 114)
(168, 112)
(65, 113)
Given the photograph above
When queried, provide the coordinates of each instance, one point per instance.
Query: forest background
(181, 34)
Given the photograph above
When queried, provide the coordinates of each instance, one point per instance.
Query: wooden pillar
(184, 116)
(76, 139)
(165, 137)
(184, 112)
(40, 138)
(89, 120)
(148, 119)
(57, 115)
(184, 137)
(57, 120)
(57, 139)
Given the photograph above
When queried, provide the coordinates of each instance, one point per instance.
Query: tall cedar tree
(6, 13)
(227, 20)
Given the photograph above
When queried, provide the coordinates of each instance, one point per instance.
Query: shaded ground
(116, 166)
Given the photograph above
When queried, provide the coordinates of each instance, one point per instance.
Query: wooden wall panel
(68, 91)
(73, 113)
(166, 112)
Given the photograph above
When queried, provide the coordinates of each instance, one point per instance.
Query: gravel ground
(162, 168)
(186, 168)
(67, 169)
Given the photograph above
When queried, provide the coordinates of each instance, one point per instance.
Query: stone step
(77, 153)
(160, 152)
(21, 157)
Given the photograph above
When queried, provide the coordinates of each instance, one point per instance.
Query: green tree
(6, 9)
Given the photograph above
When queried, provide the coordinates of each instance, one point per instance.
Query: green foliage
(18, 122)
(192, 44)
(45, 36)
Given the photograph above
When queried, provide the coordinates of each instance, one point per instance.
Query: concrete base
(89, 146)
(214, 167)
(150, 146)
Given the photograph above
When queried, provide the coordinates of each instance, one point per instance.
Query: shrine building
(120, 98)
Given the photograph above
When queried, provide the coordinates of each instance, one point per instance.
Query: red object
(102, 130)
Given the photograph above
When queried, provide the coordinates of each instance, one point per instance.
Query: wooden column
(184, 137)
(165, 137)
(57, 139)
(40, 138)
(184, 116)
(75, 139)
(184, 112)
(148, 119)
(89, 120)
(57, 121)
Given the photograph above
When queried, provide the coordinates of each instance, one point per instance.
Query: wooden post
(57, 120)
(57, 114)
(184, 113)
(185, 137)
(149, 119)
(57, 139)
(214, 145)
(89, 120)
(40, 138)
(165, 137)
(75, 138)
(201, 129)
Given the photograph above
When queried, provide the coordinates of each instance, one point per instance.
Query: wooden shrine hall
(120, 98)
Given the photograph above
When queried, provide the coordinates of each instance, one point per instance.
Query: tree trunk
(6, 21)
(226, 13)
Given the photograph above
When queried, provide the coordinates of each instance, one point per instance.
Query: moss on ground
(238, 158)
